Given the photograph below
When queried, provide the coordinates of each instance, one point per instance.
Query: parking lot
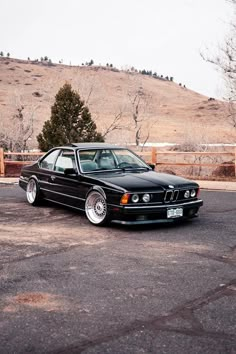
(69, 287)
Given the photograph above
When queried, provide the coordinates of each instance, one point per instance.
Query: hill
(165, 111)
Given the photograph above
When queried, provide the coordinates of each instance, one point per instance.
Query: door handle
(53, 178)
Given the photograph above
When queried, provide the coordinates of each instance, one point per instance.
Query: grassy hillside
(167, 112)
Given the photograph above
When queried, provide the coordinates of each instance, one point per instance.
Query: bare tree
(5, 138)
(116, 124)
(225, 62)
(24, 129)
(88, 83)
(230, 112)
(23, 121)
(141, 121)
(19, 128)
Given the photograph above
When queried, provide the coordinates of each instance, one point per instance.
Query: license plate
(174, 213)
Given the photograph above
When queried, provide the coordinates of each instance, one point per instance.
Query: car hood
(148, 180)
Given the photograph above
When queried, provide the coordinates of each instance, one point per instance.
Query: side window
(65, 160)
(88, 160)
(48, 161)
(87, 155)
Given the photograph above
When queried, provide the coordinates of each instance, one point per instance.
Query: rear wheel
(33, 192)
(96, 209)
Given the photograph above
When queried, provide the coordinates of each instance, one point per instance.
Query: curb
(217, 185)
(4, 182)
(210, 189)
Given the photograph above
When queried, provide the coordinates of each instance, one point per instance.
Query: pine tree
(70, 122)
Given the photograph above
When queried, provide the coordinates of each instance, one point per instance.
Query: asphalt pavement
(69, 287)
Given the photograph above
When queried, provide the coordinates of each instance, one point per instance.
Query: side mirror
(70, 171)
(152, 165)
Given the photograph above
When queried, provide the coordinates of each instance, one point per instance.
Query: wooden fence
(165, 158)
(15, 160)
(153, 155)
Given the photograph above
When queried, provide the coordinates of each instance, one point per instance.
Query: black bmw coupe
(109, 183)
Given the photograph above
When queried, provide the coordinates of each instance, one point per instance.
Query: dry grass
(171, 107)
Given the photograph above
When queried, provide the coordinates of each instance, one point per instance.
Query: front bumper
(23, 182)
(136, 215)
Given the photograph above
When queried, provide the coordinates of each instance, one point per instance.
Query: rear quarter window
(49, 161)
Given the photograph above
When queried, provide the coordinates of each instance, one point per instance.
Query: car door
(66, 187)
(45, 172)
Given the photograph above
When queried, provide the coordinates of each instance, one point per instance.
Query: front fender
(98, 189)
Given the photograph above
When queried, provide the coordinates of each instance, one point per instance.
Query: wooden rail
(156, 155)
(153, 155)
(5, 161)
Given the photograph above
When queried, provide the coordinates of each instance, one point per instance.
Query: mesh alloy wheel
(96, 208)
(32, 192)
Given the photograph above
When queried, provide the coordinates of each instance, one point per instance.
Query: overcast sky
(165, 36)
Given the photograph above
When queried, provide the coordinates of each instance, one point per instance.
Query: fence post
(2, 166)
(235, 161)
(154, 155)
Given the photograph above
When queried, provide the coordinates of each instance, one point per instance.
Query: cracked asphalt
(69, 287)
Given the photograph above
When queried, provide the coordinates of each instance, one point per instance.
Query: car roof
(95, 146)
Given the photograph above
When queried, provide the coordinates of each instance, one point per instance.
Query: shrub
(70, 122)
(225, 171)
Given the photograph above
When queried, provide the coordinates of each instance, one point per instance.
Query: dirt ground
(169, 112)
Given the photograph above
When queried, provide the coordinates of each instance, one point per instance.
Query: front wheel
(96, 209)
(33, 192)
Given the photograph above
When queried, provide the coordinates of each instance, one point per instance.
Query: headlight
(146, 197)
(193, 193)
(186, 194)
(135, 198)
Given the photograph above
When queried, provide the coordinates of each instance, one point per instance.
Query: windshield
(102, 160)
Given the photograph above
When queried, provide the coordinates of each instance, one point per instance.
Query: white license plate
(174, 213)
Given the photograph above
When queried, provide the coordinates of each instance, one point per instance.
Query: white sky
(165, 36)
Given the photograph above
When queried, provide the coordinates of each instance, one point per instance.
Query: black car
(109, 183)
